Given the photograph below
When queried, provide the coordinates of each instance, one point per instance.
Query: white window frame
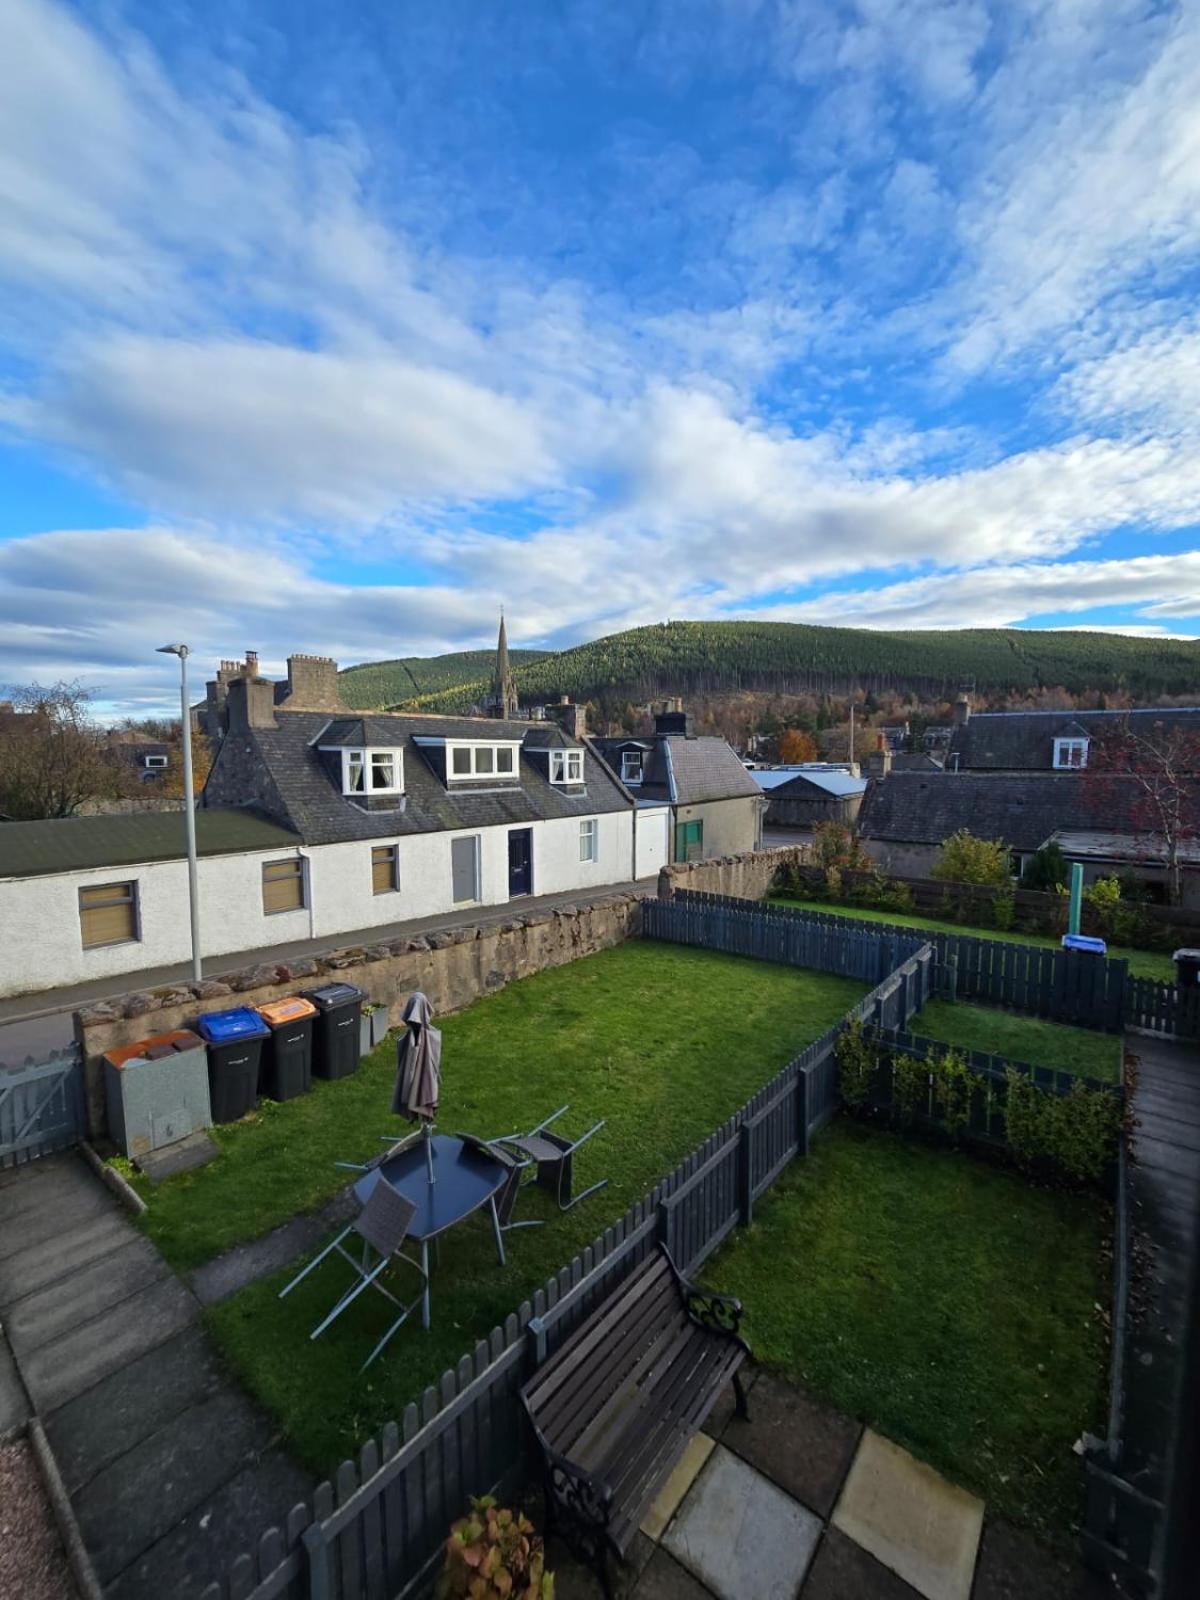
(1070, 755)
(627, 777)
(589, 836)
(363, 755)
(156, 763)
(562, 762)
(494, 749)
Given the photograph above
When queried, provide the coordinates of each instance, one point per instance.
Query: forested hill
(382, 683)
(782, 657)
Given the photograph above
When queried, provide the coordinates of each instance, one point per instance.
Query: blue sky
(335, 328)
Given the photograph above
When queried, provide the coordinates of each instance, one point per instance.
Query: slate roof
(312, 802)
(682, 771)
(1024, 740)
(914, 761)
(788, 781)
(68, 844)
(1023, 809)
(1099, 844)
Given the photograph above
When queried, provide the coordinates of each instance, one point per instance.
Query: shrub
(494, 1555)
(836, 845)
(965, 859)
(953, 1082)
(857, 1055)
(1004, 908)
(1077, 1131)
(1046, 869)
(910, 1085)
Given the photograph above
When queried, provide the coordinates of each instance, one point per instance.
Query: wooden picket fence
(1058, 985)
(377, 1531)
(1158, 1007)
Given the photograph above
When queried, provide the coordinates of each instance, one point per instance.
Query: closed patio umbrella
(419, 1069)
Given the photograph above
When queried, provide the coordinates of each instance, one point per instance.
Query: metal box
(156, 1092)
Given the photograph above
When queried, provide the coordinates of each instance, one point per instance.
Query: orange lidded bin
(287, 1059)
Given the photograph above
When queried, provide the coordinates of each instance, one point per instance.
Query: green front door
(689, 840)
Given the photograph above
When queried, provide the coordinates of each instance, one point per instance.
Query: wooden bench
(614, 1409)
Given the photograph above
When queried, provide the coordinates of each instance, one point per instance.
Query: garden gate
(41, 1107)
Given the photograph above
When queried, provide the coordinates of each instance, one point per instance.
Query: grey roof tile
(1024, 740)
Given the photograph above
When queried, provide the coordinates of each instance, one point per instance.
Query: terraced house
(317, 822)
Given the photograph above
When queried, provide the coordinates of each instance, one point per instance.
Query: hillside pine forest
(707, 658)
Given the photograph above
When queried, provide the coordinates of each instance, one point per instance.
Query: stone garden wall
(453, 967)
(747, 877)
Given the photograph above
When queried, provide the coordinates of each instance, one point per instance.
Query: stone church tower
(504, 689)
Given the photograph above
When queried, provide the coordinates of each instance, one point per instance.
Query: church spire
(504, 689)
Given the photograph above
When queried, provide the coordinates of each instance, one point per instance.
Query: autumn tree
(52, 755)
(965, 859)
(796, 746)
(1147, 775)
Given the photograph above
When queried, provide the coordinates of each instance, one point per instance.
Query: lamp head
(180, 650)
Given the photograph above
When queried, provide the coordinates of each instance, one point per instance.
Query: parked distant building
(715, 804)
(1046, 741)
(906, 817)
(802, 796)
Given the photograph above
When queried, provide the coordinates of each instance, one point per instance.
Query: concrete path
(171, 1471)
(1165, 1192)
(801, 1503)
(36, 1023)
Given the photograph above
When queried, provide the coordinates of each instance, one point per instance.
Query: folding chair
(381, 1225)
(395, 1148)
(555, 1157)
(507, 1198)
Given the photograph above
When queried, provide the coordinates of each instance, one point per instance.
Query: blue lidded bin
(1084, 941)
(235, 1041)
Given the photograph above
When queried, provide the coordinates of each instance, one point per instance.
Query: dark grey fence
(41, 1107)
(746, 928)
(1059, 985)
(378, 1530)
(989, 1097)
(1161, 1007)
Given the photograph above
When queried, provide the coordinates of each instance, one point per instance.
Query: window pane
(107, 914)
(504, 760)
(483, 760)
(556, 765)
(575, 766)
(385, 877)
(461, 762)
(354, 772)
(587, 840)
(383, 770)
(283, 886)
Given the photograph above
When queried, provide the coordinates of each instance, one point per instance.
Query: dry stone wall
(749, 876)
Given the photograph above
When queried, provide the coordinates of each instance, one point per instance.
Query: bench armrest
(581, 1499)
(721, 1312)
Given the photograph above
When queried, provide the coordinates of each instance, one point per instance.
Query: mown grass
(663, 1041)
(1083, 1051)
(947, 1303)
(1142, 963)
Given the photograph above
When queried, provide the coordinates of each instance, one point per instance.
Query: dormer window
(1070, 753)
(566, 766)
(631, 766)
(372, 771)
(482, 760)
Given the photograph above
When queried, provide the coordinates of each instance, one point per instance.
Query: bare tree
(1149, 774)
(52, 756)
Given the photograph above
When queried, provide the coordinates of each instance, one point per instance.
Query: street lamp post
(189, 800)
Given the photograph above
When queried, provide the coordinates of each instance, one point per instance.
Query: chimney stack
(673, 719)
(250, 700)
(572, 719)
(962, 709)
(312, 684)
(879, 762)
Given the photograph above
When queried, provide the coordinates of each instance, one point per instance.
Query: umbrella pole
(429, 1151)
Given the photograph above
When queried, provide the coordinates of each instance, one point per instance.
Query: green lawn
(1041, 1044)
(663, 1041)
(945, 1302)
(1142, 963)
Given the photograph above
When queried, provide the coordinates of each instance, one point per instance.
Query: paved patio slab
(1014, 1566)
(200, 1548)
(805, 1447)
(54, 1211)
(742, 1535)
(665, 1579)
(844, 1571)
(74, 1246)
(154, 1486)
(666, 1502)
(911, 1519)
(59, 1371)
(63, 1306)
(41, 1182)
(122, 1410)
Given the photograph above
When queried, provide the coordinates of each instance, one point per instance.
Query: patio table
(465, 1180)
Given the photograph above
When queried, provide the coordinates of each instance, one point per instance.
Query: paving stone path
(801, 1503)
(171, 1470)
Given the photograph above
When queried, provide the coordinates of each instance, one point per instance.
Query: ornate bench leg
(739, 1397)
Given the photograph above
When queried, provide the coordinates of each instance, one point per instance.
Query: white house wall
(41, 945)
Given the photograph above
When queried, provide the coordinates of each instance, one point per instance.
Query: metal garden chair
(554, 1156)
(507, 1198)
(381, 1225)
(395, 1146)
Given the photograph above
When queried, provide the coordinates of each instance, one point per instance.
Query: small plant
(952, 1085)
(1077, 1131)
(494, 1554)
(1004, 908)
(910, 1085)
(122, 1166)
(858, 1059)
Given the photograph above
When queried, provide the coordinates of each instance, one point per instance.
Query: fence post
(745, 1183)
(536, 1333)
(316, 1548)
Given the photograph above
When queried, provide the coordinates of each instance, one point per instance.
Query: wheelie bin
(235, 1041)
(286, 1068)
